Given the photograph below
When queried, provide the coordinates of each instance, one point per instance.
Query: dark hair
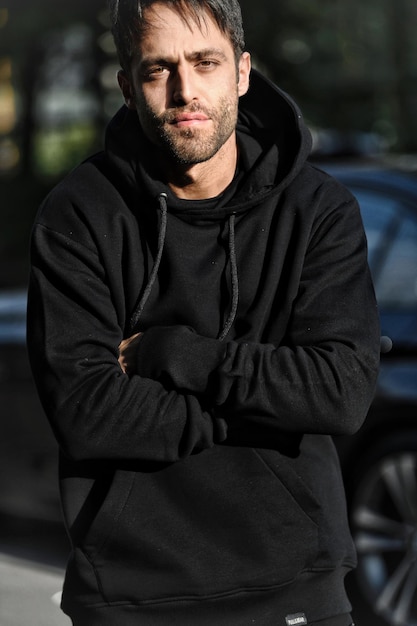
(128, 21)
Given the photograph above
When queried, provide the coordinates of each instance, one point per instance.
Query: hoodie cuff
(179, 358)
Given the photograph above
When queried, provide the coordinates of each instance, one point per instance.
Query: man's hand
(127, 353)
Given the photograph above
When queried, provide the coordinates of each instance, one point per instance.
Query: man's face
(185, 85)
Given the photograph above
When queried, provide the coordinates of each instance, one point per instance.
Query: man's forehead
(168, 32)
(159, 16)
(189, 14)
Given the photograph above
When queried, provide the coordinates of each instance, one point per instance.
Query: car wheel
(384, 525)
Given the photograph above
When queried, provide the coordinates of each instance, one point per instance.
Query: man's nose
(183, 88)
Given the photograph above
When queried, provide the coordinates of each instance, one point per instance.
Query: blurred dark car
(28, 455)
(379, 463)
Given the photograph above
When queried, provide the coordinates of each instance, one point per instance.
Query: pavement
(32, 560)
(33, 543)
(30, 594)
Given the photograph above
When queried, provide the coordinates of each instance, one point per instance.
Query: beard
(189, 146)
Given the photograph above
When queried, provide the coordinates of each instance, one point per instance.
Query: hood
(274, 143)
(273, 119)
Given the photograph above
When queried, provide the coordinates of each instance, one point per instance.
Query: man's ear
(244, 73)
(126, 89)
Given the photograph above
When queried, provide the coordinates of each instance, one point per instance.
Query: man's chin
(188, 160)
(186, 154)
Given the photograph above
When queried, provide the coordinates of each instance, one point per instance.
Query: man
(201, 321)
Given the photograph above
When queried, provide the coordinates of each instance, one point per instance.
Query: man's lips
(189, 119)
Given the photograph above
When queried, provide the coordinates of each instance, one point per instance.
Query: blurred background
(352, 67)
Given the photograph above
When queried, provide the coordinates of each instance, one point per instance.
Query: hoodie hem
(319, 596)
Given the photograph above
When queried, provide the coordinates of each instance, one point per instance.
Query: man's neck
(205, 180)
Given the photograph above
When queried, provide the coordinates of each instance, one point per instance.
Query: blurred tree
(351, 65)
(55, 62)
(56, 115)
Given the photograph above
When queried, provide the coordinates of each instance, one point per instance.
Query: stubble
(189, 146)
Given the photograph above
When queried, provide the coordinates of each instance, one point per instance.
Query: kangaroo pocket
(223, 520)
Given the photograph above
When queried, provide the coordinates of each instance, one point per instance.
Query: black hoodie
(204, 488)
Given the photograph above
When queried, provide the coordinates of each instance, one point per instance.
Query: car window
(391, 231)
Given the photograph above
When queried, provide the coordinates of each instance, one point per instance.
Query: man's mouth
(188, 119)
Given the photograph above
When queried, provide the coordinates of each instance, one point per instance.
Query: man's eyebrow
(151, 61)
(198, 55)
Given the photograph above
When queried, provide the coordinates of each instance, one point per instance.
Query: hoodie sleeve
(320, 378)
(73, 334)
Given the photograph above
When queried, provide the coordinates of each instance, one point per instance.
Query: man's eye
(154, 72)
(207, 64)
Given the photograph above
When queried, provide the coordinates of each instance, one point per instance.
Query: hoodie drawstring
(162, 198)
(235, 280)
(161, 241)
